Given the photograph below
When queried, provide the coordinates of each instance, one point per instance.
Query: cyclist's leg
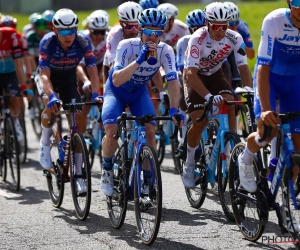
(182, 110)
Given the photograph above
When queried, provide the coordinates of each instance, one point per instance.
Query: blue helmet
(147, 4)
(295, 3)
(195, 18)
(48, 15)
(152, 17)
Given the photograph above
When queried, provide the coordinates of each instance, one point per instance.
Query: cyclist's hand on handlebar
(27, 92)
(87, 87)
(52, 104)
(176, 116)
(269, 118)
(97, 98)
(218, 100)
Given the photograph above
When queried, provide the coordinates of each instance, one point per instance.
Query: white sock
(46, 133)
(78, 163)
(190, 154)
(273, 148)
(247, 156)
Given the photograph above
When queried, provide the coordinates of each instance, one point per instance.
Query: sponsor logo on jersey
(269, 52)
(263, 62)
(291, 50)
(14, 39)
(5, 53)
(194, 52)
(108, 47)
(231, 37)
(99, 52)
(89, 54)
(123, 57)
(242, 49)
(287, 25)
(43, 56)
(262, 33)
(171, 76)
(148, 69)
(286, 37)
(169, 61)
(65, 61)
(201, 38)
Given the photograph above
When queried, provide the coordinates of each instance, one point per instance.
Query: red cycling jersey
(10, 49)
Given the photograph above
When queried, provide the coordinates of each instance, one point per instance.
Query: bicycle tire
(144, 204)
(23, 144)
(223, 182)
(11, 148)
(238, 204)
(245, 131)
(38, 106)
(78, 143)
(120, 196)
(161, 147)
(176, 160)
(55, 185)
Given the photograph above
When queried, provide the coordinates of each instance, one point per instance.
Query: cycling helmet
(217, 11)
(8, 21)
(195, 18)
(170, 10)
(233, 10)
(152, 17)
(147, 4)
(48, 15)
(294, 3)
(101, 12)
(129, 11)
(32, 17)
(97, 21)
(65, 18)
(40, 23)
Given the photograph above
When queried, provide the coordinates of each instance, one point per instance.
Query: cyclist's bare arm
(46, 82)
(245, 75)
(250, 53)
(157, 80)
(174, 93)
(20, 71)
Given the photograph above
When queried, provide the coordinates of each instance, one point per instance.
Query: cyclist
(128, 28)
(147, 4)
(126, 85)
(60, 53)
(195, 19)
(96, 12)
(208, 47)
(276, 74)
(175, 28)
(48, 16)
(12, 73)
(30, 26)
(34, 37)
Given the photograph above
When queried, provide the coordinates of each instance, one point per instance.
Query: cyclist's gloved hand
(96, 97)
(143, 53)
(175, 115)
(86, 86)
(53, 99)
(218, 99)
(164, 98)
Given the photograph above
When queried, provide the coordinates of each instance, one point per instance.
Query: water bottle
(208, 149)
(272, 167)
(152, 57)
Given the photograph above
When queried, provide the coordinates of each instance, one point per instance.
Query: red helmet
(8, 21)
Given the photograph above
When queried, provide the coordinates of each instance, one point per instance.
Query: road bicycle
(251, 210)
(137, 178)
(63, 154)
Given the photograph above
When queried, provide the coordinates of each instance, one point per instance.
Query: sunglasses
(130, 26)
(156, 33)
(217, 27)
(98, 32)
(234, 23)
(70, 32)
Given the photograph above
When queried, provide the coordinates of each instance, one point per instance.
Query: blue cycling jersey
(53, 57)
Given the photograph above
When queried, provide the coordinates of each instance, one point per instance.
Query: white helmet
(217, 11)
(129, 11)
(97, 21)
(170, 10)
(101, 12)
(234, 11)
(65, 18)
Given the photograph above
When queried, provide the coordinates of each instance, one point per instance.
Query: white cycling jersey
(98, 51)
(180, 49)
(129, 50)
(279, 45)
(114, 37)
(179, 29)
(207, 54)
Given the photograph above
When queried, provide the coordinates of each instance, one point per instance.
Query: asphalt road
(28, 220)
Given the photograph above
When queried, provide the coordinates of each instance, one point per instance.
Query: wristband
(94, 96)
(207, 96)
(52, 96)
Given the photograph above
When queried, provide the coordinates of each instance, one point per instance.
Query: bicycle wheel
(230, 140)
(160, 145)
(56, 185)
(117, 204)
(242, 128)
(176, 159)
(89, 142)
(3, 171)
(81, 172)
(11, 152)
(148, 195)
(250, 210)
(23, 143)
(38, 106)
